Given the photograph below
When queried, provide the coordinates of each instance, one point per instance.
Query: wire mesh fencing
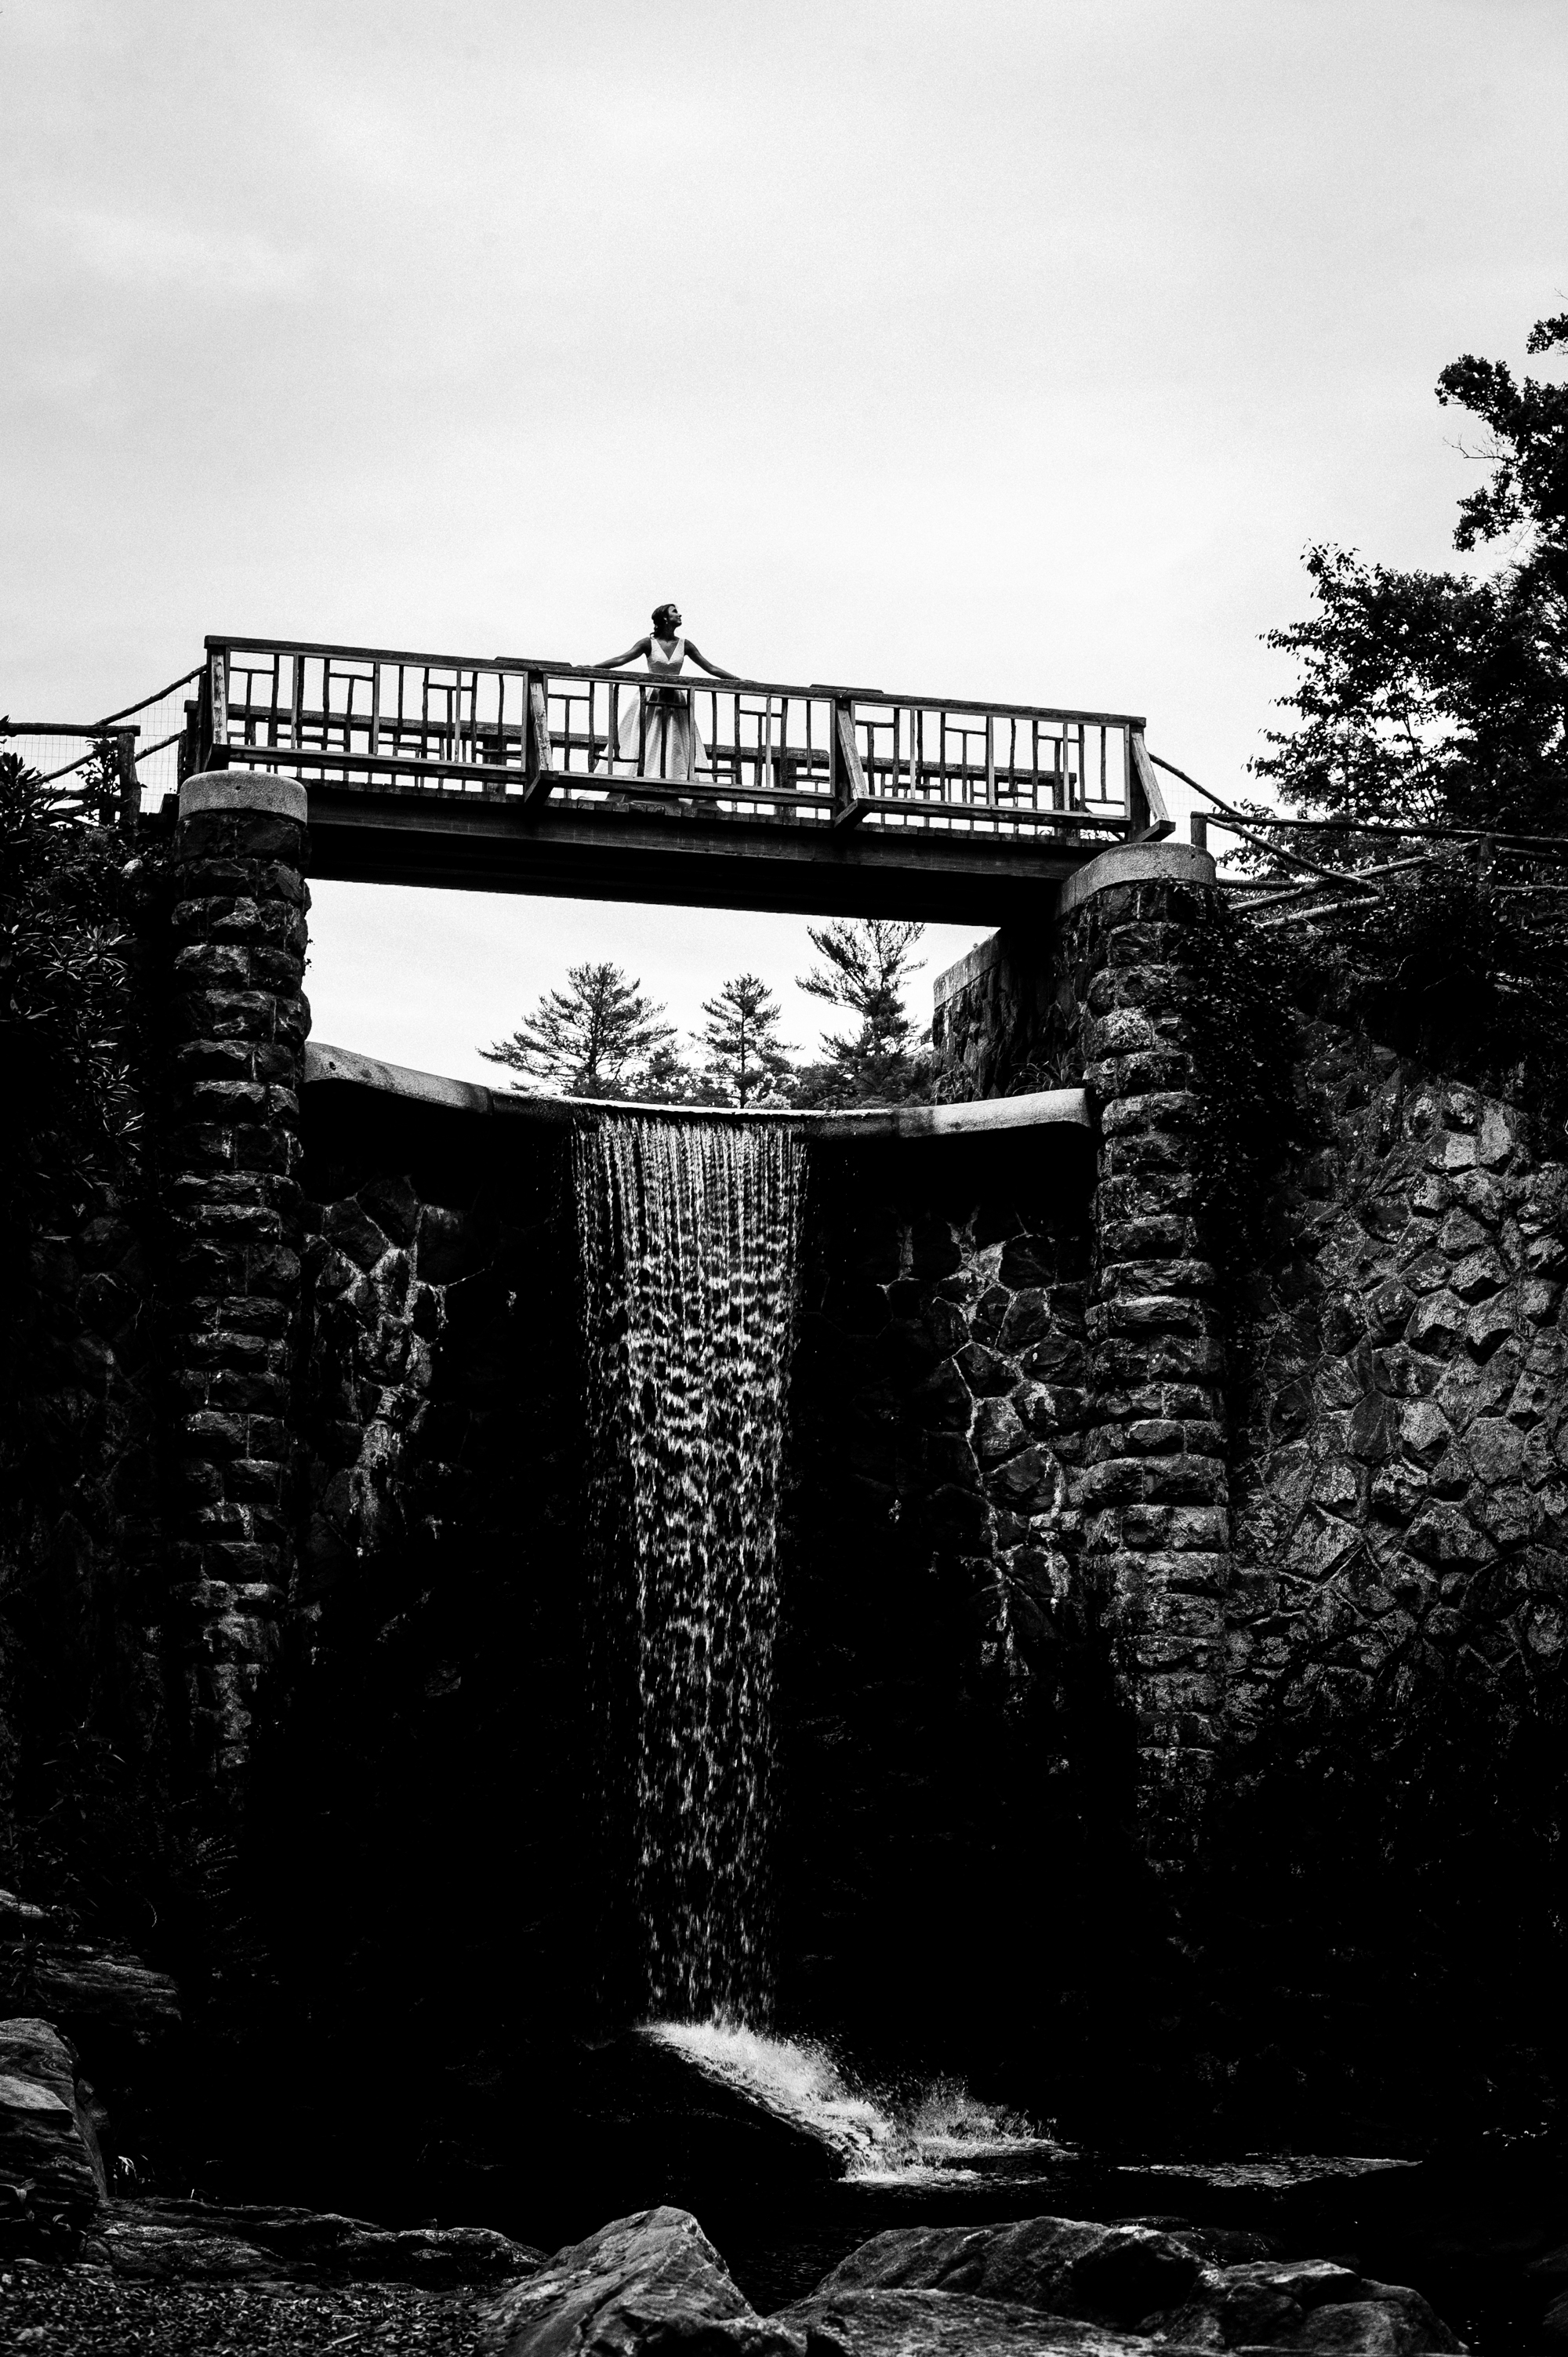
(112, 769)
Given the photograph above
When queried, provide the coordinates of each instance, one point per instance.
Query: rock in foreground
(948, 2324)
(49, 2163)
(1137, 2279)
(1302, 2304)
(652, 2281)
(169, 2242)
(1103, 2275)
(1040, 2287)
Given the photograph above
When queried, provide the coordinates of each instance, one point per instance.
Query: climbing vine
(1462, 977)
(1250, 1122)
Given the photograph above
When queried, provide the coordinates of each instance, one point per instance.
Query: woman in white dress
(672, 744)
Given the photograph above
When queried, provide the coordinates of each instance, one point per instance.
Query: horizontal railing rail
(524, 728)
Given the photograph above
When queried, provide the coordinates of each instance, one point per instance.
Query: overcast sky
(986, 349)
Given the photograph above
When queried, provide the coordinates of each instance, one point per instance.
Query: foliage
(668, 1079)
(1441, 700)
(741, 1035)
(1528, 492)
(1437, 697)
(65, 974)
(1459, 972)
(588, 1040)
(865, 970)
(1245, 1026)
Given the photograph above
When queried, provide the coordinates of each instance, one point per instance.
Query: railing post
(848, 779)
(130, 784)
(189, 760)
(537, 774)
(1149, 819)
(216, 749)
(200, 745)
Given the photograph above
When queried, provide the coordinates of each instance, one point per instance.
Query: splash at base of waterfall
(937, 2131)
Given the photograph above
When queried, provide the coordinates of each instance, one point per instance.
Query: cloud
(158, 256)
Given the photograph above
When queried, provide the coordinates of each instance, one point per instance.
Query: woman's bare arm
(618, 663)
(715, 671)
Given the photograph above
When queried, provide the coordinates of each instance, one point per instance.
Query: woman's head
(666, 619)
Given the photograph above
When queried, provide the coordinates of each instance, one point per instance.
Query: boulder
(653, 2116)
(49, 2162)
(95, 1990)
(647, 2282)
(946, 2324)
(1302, 2303)
(1100, 2274)
(20, 1920)
(164, 2242)
(89, 1988)
(1073, 2275)
(1392, 2321)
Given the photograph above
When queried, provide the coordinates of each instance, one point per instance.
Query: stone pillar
(240, 1023)
(1156, 1520)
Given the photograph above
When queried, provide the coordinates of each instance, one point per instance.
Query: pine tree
(867, 964)
(741, 1035)
(668, 1079)
(587, 1040)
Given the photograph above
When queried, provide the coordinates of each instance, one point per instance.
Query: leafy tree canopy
(590, 1039)
(74, 1133)
(64, 994)
(1442, 698)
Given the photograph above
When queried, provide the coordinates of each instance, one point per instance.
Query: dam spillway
(689, 1233)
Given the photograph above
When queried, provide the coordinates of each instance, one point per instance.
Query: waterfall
(689, 1232)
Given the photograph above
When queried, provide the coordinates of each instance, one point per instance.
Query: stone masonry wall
(434, 1258)
(942, 1339)
(939, 1659)
(1401, 1509)
(373, 1319)
(940, 1679)
(996, 1027)
(1155, 1494)
(238, 1020)
(1400, 1475)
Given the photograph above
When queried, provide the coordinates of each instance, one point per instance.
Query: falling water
(689, 1232)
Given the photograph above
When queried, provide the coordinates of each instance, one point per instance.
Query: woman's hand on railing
(715, 671)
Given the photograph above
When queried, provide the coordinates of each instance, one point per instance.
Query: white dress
(671, 746)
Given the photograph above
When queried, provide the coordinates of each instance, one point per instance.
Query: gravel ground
(60, 2310)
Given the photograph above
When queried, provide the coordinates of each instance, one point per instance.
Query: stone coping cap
(967, 969)
(1045, 1108)
(245, 789)
(1137, 863)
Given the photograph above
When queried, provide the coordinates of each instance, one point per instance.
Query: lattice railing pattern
(541, 731)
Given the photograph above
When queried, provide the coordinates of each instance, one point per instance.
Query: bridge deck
(516, 775)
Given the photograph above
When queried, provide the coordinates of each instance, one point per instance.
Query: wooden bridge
(521, 775)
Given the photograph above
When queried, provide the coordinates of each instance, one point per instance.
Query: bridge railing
(534, 731)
